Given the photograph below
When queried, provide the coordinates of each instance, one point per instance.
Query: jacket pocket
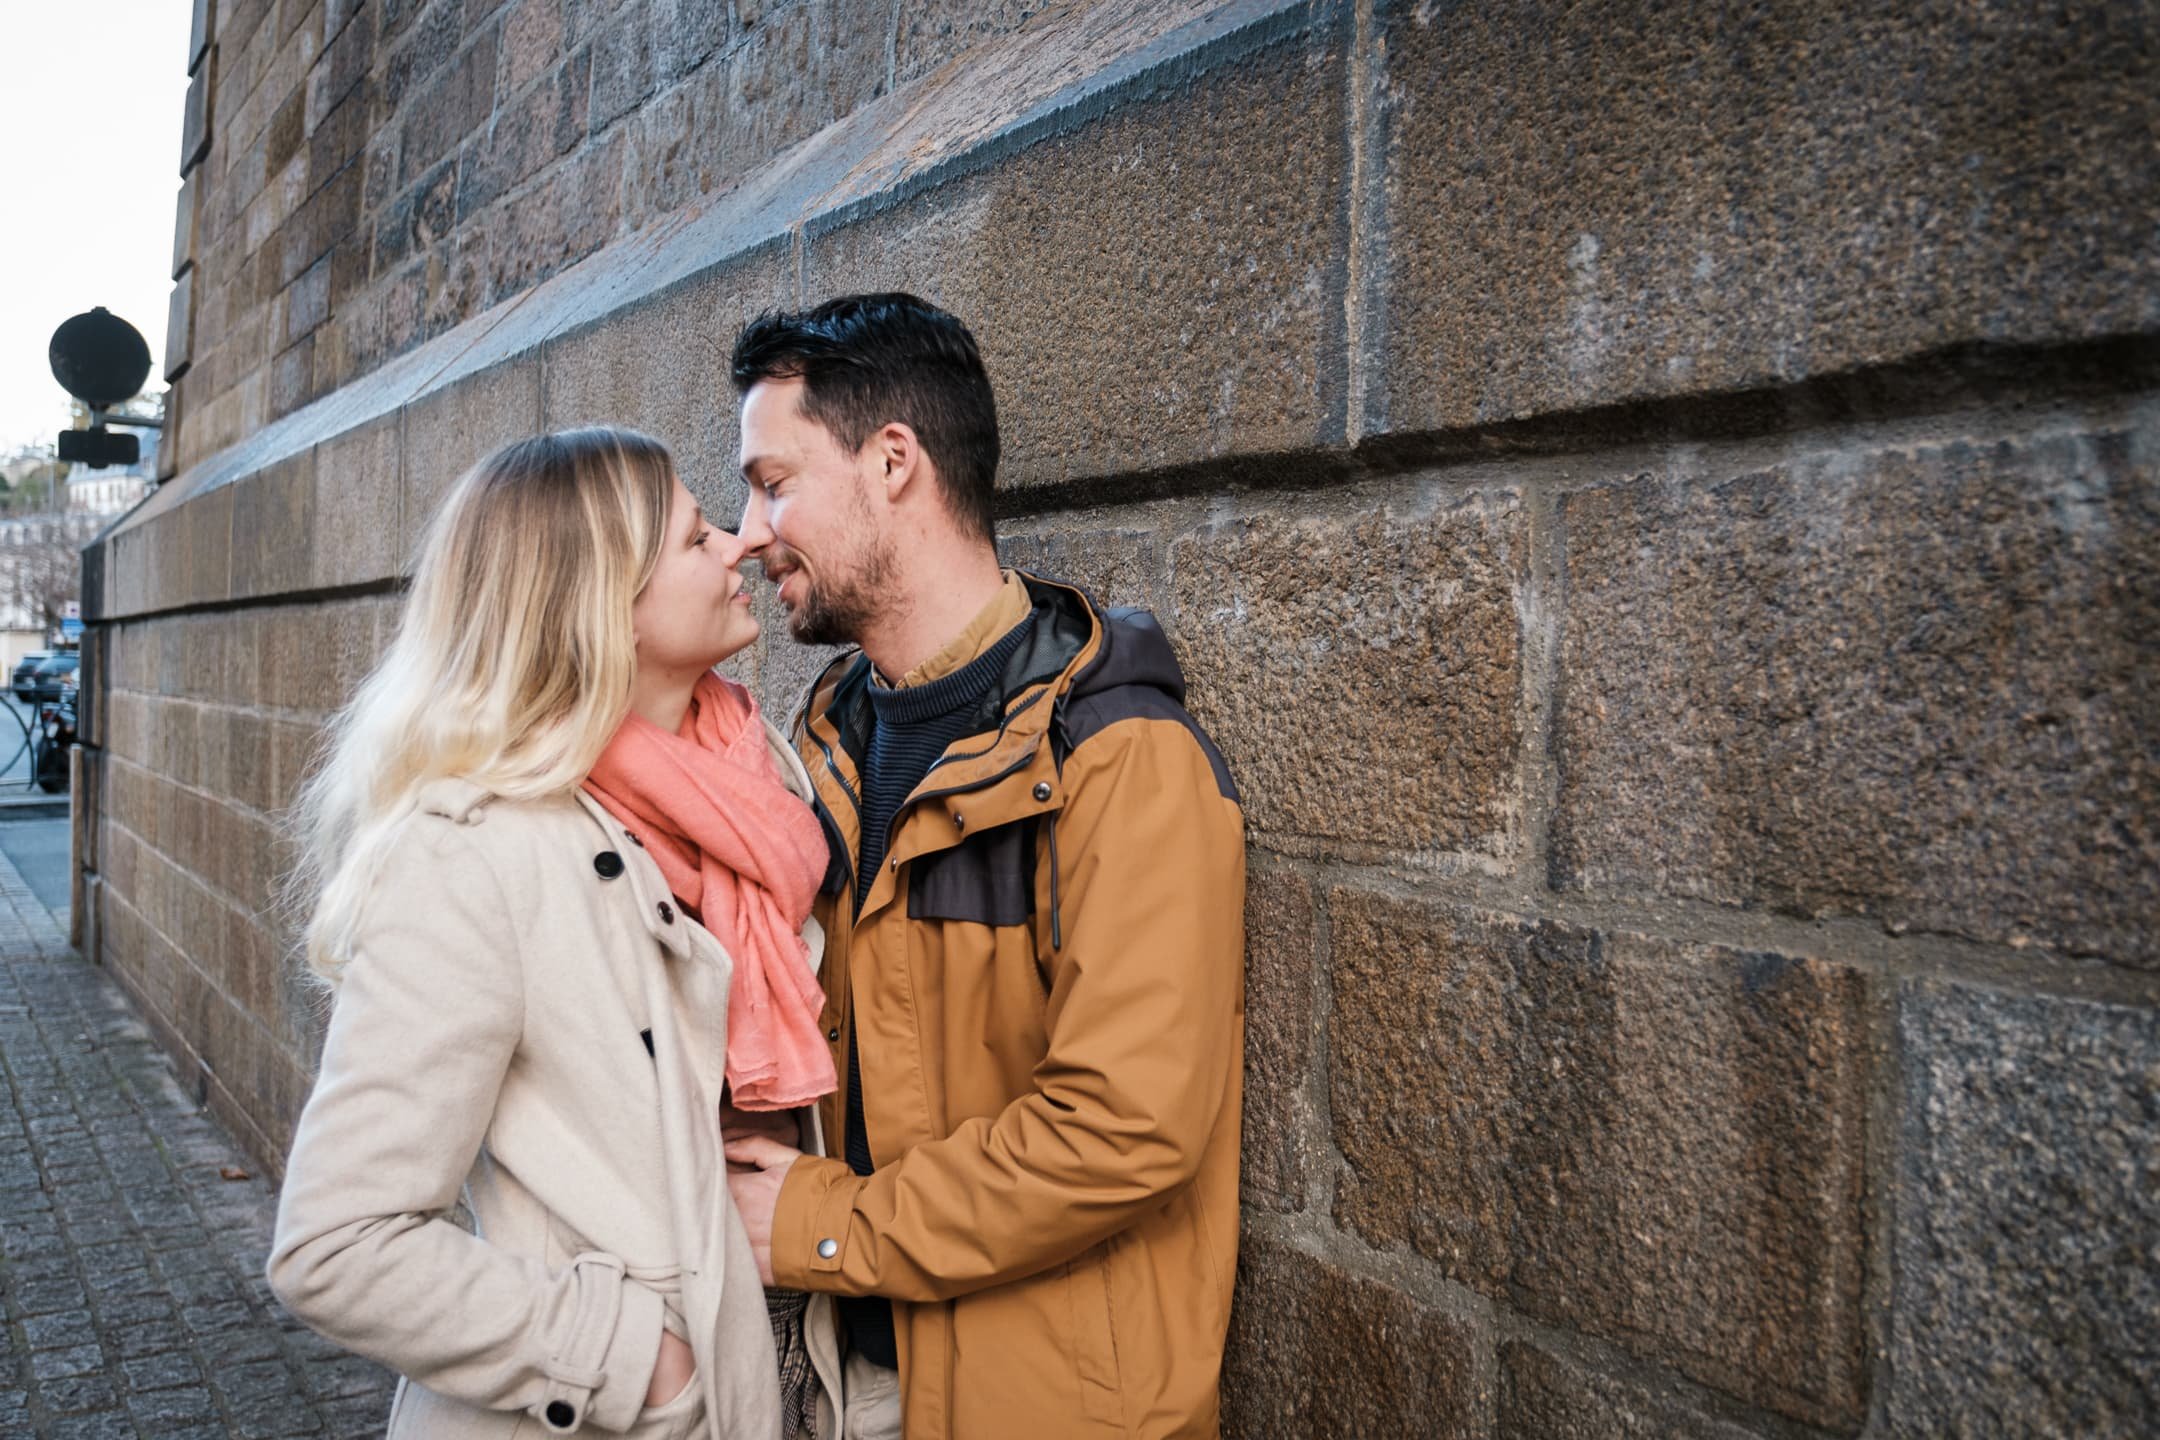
(1087, 1287)
(986, 879)
(672, 1419)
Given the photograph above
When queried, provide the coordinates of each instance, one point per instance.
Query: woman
(521, 821)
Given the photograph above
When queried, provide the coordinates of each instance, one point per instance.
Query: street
(132, 1230)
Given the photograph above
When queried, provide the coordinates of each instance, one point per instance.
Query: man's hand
(757, 1166)
(785, 1126)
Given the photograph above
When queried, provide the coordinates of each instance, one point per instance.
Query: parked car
(45, 680)
(24, 669)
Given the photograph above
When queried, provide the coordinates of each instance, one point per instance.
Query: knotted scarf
(744, 856)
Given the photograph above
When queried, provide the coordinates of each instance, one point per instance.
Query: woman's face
(694, 612)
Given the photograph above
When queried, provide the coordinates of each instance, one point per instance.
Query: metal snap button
(833, 1034)
(1042, 790)
(827, 1248)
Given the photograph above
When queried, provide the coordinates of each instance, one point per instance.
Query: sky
(89, 173)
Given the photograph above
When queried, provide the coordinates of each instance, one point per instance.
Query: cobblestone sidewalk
(130, 1268)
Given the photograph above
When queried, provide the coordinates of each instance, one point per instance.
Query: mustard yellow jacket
(1047, 974)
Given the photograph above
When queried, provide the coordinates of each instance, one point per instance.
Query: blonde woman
(562, 877)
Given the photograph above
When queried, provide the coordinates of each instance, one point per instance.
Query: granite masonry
(1660, 506)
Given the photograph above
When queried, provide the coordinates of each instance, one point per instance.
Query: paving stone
(100, 1425)
(152, 1337)
(93, 1278)
(160, 1412)
(75, 1360)
(76, 1393)
(54, 1332)
(162, 1372)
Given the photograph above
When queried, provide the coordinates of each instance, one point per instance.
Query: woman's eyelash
(701, 537)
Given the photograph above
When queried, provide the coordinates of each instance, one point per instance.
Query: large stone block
(931, 34)
(2028, 1214)
(448, 430)
(1915, 684)
(797, 71)
(661, 366)
(274, 528)
(1545, 1397)
(1158, 285)
(1282, 952)
(1594, 204)
(313, 655)
(1361, 670)
(357, 495)
(1654, 1141)
(1321, 1354)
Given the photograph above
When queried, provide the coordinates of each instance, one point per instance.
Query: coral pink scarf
(743, 855)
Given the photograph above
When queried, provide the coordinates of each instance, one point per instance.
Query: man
(1034, 926)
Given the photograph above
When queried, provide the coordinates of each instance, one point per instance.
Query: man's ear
(900, 455)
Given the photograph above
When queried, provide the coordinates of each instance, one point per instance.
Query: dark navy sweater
(910, 729)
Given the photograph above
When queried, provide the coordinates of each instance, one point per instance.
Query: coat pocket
(1094, 1331)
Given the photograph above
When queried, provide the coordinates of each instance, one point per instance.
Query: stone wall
(1660, 509)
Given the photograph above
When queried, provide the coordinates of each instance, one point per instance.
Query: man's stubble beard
(836, 610)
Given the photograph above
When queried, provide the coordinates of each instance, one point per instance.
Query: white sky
(89, 173)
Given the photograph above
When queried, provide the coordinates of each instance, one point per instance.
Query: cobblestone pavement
(130, 1268)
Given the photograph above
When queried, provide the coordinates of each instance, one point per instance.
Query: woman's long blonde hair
(511, 668)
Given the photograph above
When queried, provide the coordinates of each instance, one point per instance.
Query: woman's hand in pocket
(672, 1371)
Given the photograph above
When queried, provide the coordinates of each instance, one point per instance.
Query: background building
(1657, 503)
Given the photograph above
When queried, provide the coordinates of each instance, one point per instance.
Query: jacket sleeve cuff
(600, 1376)
(811, 1224)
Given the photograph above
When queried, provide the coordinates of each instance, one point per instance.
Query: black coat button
(561, 1414)
(631, 836)
(1042, 790)
(833, 1035)
(667, 913)
(608, 864)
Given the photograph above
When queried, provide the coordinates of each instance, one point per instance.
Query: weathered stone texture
(1281, 955)
(1361, 669)
(1158, 286)
(1323, 1355)
(933, 33)
(662, 368)
(452, 429)
(1594, 204)
(1658, 1142)
(2028, 1213)
(1545, 1397)
(1916, 684)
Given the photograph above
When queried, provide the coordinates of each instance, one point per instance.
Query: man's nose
(754, 531)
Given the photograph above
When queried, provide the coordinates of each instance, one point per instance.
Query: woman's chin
(742, 639)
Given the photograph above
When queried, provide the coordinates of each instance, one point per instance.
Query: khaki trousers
(873, 1401)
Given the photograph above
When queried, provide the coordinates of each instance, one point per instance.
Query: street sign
(71, 627)
(99, 358)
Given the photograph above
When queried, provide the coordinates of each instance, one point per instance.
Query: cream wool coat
(489, 1038)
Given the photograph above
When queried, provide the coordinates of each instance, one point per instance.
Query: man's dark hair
(869, 360)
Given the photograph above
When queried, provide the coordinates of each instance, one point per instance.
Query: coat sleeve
(427, 1018)
(1144, 1018)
